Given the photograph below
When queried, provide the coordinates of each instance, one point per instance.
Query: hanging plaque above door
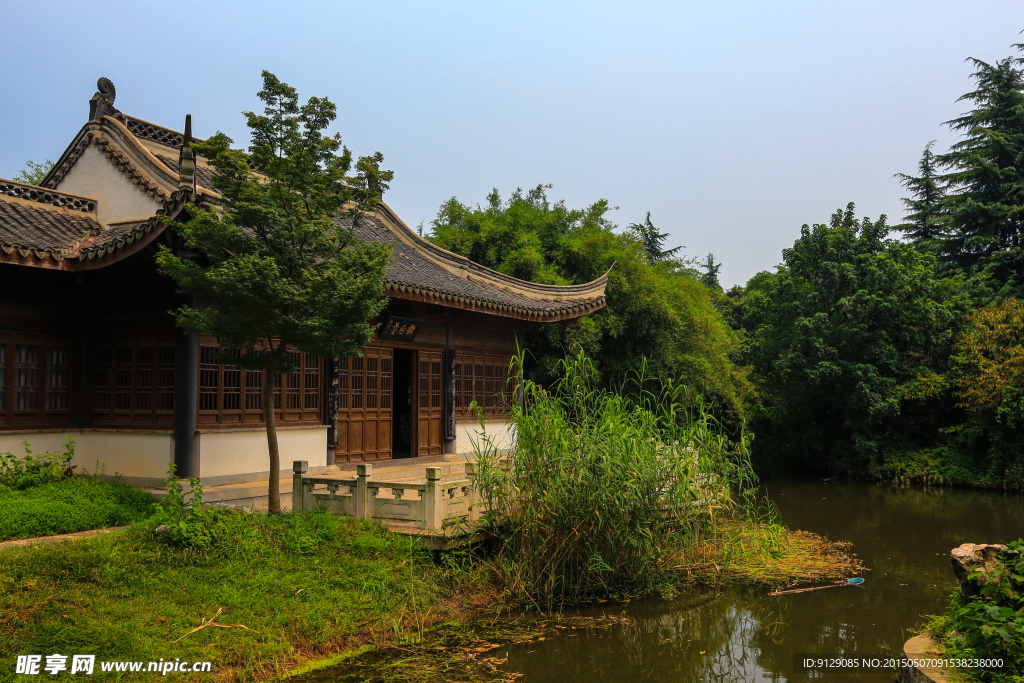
(399, 329)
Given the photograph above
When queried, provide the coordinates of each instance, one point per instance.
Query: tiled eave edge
(460, 266)
(83, 256)
(565, 311)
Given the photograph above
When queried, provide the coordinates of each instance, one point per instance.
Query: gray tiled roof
(412, 271)
(41, 227)
(117, 235)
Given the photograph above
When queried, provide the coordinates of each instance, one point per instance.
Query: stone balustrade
(435, 506)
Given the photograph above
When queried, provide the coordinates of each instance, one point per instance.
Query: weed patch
(69, 505)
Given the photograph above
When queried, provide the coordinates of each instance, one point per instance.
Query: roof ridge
(152, 131)
(44, 195)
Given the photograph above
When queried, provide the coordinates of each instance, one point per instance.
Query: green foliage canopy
(34, 172)
(658, 311)
(848, 342)
(276, 265)
(985, 183)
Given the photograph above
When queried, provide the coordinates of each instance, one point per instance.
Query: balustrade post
(299, 468)
(432, 500)
(364, 510)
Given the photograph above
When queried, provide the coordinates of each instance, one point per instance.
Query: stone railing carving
(436, 506)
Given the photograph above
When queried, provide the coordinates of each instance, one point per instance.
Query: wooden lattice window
(483, 379)
(365, 383)
(58, 378)
(26, 377)
(133, 381)
(231, 395)
(35, 379)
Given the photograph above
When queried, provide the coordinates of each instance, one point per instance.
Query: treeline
(658, 310)
(904, 358)
(863, 353)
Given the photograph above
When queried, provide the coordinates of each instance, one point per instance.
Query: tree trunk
(269, 373)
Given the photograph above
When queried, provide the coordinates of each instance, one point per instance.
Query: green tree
(924, 220)
(656, 312)
(985, 181)
(988, 371)
(34, 172)
(849, 342)
(276, 264)
(653, 241)
(710, 275)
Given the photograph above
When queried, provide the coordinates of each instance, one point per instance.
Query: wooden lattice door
(365, 406)
(429, 411)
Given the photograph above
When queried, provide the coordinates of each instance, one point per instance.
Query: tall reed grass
(602, 487)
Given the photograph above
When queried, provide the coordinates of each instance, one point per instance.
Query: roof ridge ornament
(187, 160)
(102, 103)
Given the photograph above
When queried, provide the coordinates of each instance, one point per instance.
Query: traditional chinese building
(88, 347)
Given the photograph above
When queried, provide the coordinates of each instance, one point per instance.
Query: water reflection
(904, 536)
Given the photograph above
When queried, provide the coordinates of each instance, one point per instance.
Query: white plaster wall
(130, 454)
(93, 175)
(500, 433)
(242, 452)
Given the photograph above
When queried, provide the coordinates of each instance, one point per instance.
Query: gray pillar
(186, 398)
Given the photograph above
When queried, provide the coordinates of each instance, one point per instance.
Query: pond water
(903, 535)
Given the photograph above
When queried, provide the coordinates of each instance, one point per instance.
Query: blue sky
(733, 123)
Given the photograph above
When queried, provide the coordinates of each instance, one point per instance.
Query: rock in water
(972, 557)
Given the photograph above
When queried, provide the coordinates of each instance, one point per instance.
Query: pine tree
(924, 220)
(709, 277)
(653, 240)
(985, 183)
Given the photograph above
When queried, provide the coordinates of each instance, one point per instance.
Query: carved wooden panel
(365, 406)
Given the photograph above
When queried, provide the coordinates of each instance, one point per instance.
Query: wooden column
(82, 340)
(449, 389)
(186, 400)
(333, 376)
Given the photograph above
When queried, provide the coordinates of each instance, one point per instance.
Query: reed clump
(602, 488)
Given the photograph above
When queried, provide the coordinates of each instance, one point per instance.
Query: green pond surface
(904, 537)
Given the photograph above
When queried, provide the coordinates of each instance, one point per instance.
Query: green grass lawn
(303, 585)
(69, 505)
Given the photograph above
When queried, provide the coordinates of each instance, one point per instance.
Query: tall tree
(653, 241)
(849, 342)
(924, 220)
(276, 265)
(656, 313)
(986, 178)
(710, 275)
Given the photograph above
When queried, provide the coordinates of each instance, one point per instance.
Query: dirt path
(58, 538)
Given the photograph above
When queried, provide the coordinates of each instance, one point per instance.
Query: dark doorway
(403, 425)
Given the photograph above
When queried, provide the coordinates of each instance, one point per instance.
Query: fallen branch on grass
(213, 622)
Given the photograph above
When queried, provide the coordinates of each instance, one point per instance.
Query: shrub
(991, 624)
(70, 505)
(34, 470)
(603, 486)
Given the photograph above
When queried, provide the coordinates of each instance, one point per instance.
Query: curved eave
(465, 268)
(85, 256)
(399, 290)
